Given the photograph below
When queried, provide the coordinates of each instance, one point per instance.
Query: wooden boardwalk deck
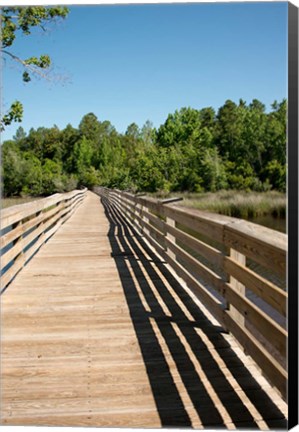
(97, 331)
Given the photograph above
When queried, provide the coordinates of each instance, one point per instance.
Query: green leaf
(26, 77)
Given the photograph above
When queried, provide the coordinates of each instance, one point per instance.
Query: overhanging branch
(32, 69)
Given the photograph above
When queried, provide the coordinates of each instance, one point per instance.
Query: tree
(276, 132)
(148, 134)
(229, 128)
(12, 174)
(20, 134)
(31, 175)
(51, 177)
(90, 127)
(253, 134)
(133, 131)
(213, 171)
(275, 174)
(82, 155)
(16, 20)
(242, 148)
(69, 137)
(207, 117)
(180, 127)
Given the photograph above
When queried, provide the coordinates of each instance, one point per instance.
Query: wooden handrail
(26, 227)
(236, 268)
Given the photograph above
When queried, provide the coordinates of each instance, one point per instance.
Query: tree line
(241, 147)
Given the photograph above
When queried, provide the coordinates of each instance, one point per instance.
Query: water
(269, 221)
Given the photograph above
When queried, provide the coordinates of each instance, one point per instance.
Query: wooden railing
(237, 269)
(25, 227)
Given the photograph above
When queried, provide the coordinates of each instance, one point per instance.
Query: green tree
(207, 117)
(22, 20)
(90, 177)
(147, 174)
(180, 127)
(89, 127)
(229, 129)
(133, 131)
(31, 175)
(82, 154)
(276, 132)
(213, 171)
(274, 174)
(68, 137)
(12, 170)
(20, 134)
(52, 177)
(188, 153)
(253, 134)
(148, 134)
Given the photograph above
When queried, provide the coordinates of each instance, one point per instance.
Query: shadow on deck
(217, 386)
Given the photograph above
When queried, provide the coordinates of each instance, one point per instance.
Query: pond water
(269, 221)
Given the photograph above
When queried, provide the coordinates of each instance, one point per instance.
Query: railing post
(138, 211)
(170, 222)
(241, 259)
(146, 220)
(119, 200)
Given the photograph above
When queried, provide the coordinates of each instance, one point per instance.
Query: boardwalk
(97, 331)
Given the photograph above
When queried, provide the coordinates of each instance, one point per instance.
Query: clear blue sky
(141, 62)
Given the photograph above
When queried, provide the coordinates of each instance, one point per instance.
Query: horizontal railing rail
(26, 227)
(237, 269)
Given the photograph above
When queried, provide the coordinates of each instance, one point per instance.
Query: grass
(245, 205)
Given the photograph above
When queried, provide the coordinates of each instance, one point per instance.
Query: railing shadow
(225, 400)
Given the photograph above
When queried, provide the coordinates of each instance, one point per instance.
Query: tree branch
(32, 69)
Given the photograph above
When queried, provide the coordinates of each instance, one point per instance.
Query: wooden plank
(153, 242)
(153, 232)
(95, 337)
(13, 214)
(212, 304)
(20, 262)
(255, 315)
(11, 272)
(269, 292)
(170, 223)
(18, 231)
(207, 224)
(271, 368)
(152, 205)
(239, 287)
(155, 220)
(75, 339)
(148, 229)
(265, 246)
(275, 334)
(63, 215)
(210, 253)
(193, 265)
(25, 241)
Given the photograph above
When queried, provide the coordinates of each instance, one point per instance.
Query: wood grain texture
(33, 223)
(97, 331)
(266, 290)
(208, 277)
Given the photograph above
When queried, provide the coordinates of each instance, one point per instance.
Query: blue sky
(132, 63)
